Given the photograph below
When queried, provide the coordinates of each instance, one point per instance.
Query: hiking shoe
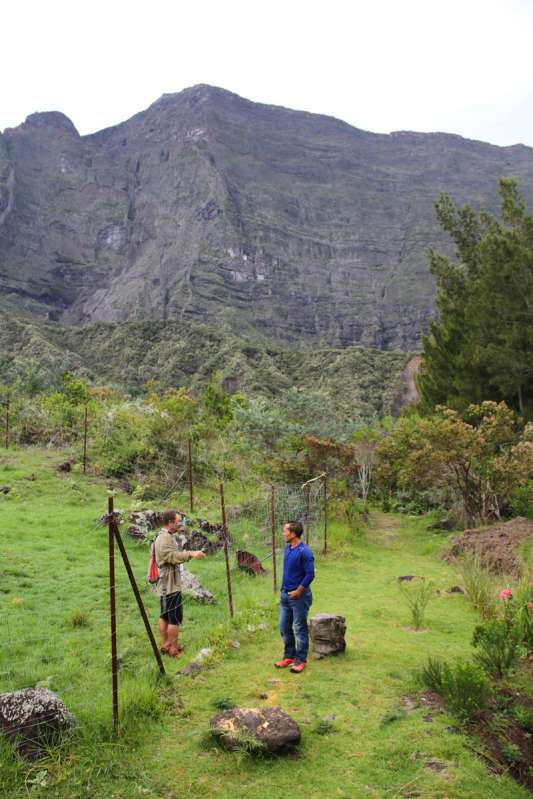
(298, 667)
(282, 664)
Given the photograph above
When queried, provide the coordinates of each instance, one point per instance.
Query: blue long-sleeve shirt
(298, 567)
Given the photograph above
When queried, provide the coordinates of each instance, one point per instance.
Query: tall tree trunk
(520, 400)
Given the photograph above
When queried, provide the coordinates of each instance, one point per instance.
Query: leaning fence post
(307, 504)
(325, 514)
(112, 607)
(273, 513)
(191, 498)
(226, 553)
(140, 603)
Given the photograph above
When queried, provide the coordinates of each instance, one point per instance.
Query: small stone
(235, 644)
(263, 696)
(455, 589)
(429, 719)
(5, 489)
(274, 681)
(263, 626)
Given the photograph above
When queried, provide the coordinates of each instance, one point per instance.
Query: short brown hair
(296, 528)
(169, 516)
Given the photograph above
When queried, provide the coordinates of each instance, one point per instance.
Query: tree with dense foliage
(481, 348)
(476, 463)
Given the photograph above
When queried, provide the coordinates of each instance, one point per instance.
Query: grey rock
(456, 589)
(190, 585)
(271, 728)
(34, 718)
(327, 633)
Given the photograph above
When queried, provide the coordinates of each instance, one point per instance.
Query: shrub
(462, 685)
(417, 594)
(465, 689)
(479, 586)
(524, 717)
(431, 675)
(497, 647)
(511, 753)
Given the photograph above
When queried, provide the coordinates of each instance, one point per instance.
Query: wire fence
(56, 626)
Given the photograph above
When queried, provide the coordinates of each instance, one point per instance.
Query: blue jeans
(293, 624)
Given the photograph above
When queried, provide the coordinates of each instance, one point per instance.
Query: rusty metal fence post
(325, 549)
(226, 552)
(191, 497)
(85, 441)
(8, 399)
(112, 608)
(273, 514)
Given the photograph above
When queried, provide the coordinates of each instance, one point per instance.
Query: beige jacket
(168, 558)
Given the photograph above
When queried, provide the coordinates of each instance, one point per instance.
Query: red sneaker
(298, 667)
(282, 664)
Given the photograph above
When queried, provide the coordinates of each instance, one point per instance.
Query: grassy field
(358, 739)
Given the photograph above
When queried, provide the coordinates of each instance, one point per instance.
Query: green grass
(54, 574)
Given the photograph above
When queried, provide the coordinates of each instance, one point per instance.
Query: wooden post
(325, 547)
(133, 583)
(226, 553)
(307, 503)
(7, 420)
(191, 498)
(85, 441)
(273, 513)
(112, 607)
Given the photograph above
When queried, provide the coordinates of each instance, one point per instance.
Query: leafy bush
(497, 647)
(521, 500)
(462, 685)
(417, 594)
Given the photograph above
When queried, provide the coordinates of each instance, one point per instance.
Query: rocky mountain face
(209, 208)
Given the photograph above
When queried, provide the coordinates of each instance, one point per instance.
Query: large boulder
(327, 633)
(34, 718)
(190, 585)
(269, 729)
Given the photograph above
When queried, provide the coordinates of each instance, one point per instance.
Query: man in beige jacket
(168, 586)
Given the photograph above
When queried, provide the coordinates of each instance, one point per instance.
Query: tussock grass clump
(417, 594)
(79, 618)
(479, 585)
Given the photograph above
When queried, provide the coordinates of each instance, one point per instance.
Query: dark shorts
(172, 608)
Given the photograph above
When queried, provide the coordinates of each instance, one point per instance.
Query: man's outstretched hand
(197, 553)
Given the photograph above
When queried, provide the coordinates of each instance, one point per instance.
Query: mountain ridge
(210, 207)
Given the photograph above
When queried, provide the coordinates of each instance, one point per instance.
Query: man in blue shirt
(296, 598)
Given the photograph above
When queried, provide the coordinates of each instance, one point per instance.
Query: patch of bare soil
(496, 546)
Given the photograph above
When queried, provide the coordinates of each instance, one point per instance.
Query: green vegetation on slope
(176, 354)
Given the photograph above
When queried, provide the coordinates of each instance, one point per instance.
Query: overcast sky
(460, 66)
